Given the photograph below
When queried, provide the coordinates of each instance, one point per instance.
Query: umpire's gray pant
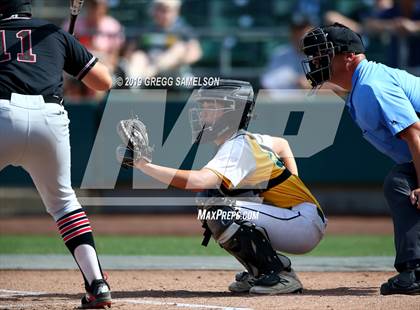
(35, 136)
(398, 185)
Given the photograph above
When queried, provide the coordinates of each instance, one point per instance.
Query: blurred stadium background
(237, 39)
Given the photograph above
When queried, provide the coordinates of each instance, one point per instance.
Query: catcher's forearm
(135, 151)
(175, 177)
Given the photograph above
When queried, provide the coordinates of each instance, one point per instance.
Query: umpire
(34, 131)
(385, 104)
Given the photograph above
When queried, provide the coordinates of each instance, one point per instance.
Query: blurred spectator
(170, 46)
(284, 70)
(402, 21)
(313, 9)
(355, 20)
(103, 35)
(97, 30)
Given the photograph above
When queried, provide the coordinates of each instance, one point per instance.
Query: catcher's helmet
(220, 109)
(11, 7)
(321, 44)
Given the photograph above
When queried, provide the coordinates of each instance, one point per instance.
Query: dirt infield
(180, 225)
(171, 289)
(196, 289)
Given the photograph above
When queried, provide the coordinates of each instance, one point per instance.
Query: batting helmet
(11, 7)
(221, 109)
(321, 44)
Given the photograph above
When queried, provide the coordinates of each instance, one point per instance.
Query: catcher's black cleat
(282, 283)
(243, 283)
(285, 282)
(98, 295)
(403, 283)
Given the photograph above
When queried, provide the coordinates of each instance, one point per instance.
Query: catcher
(246, 167)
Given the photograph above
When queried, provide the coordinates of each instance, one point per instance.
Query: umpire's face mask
(319, 54)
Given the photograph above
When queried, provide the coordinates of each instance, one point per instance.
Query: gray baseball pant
(398, 185)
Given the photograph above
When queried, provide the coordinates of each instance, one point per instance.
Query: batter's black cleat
(98, 295)
(403, 283)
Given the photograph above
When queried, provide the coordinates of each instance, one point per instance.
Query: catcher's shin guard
(252, 248)
(248, 243)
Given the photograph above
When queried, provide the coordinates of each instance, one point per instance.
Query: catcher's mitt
(136, 142)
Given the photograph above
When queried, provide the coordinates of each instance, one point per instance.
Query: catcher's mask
(221, 109)
(321, 44)
(11, 7)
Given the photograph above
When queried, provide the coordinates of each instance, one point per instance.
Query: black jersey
(33, 55)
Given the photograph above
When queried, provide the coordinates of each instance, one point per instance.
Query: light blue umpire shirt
(384, 101)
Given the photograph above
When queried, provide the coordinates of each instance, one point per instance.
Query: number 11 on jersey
(26, 54)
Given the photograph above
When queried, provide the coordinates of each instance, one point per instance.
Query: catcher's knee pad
(221, 227)
(248, 243)
(219, 217)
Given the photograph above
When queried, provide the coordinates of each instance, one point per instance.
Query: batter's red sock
(73, 224)
(76, 232)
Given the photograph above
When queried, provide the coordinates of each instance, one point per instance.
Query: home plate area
(196, 289)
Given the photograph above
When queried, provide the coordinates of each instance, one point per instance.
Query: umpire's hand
(414, 197)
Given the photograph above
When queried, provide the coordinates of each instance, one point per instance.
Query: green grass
(359, 245)
(355, 245)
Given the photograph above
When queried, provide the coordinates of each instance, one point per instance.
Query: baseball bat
(75, 7)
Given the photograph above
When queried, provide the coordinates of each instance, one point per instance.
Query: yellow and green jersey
(247, 161)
